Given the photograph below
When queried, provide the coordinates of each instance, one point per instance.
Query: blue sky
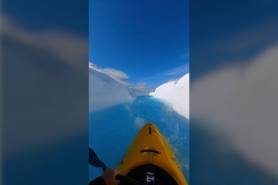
(209, 32)
(148, 40)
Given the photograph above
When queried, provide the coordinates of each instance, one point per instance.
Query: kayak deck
(151, 148)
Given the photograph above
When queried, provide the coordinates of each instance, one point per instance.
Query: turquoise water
(112, 130)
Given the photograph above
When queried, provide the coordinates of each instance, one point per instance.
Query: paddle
(95, 161)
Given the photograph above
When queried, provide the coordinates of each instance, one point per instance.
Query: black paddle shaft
(95, 161)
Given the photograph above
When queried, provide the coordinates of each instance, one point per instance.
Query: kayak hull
(150, 147)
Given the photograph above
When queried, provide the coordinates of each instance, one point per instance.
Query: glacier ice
(176, 93)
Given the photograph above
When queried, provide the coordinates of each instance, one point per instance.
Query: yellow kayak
(151, 157)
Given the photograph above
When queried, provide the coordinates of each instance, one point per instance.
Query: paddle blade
(95, 161)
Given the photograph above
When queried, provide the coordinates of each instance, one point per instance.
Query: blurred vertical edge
(44, 92)
(1, 103)
(233, 92)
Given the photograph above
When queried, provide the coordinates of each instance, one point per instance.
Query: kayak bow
(151, 148)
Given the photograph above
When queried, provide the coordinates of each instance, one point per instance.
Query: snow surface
(106, 91)
(176, 93)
